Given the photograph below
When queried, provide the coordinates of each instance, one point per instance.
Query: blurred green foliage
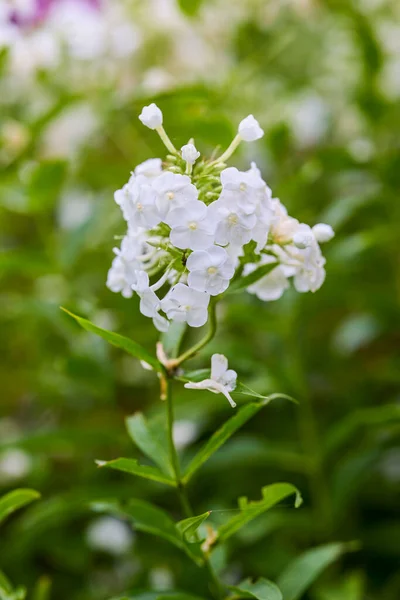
(314, 74)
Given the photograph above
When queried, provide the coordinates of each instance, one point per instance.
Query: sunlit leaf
(118, 340)
(262, 589)
(132, 466)
(150, 441)
(189, 526)
(15, 500)
(306, 568)
(271, 495)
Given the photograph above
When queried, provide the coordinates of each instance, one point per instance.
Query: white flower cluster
(196, 225)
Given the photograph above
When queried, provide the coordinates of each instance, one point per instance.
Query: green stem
(205, 340)
(215, 585)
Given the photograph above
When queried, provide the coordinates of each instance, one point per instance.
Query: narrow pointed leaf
(244, 282)
(149, 440)
(188, 527)
(153, 520)
(262, 589)
(15, 500)
(225, 432)
(271, 495)
(306, 568)
(132, 466)
(133, 348)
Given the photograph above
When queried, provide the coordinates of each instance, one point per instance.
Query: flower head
(250, 130)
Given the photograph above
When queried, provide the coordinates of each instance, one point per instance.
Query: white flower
(221, 381)
(306, 264)
(138, 203)
(150, 168)
(250, 130)
(172, 190)
(14, 464)
(189, 153)
(151, 116)
(271, 286)
(149, 301)
(192, 226)
(233, 225)
(246, 187)
(210, 270)
(129, 259)
(283, 227)
(303, 237)
(185, 304)
(109, 535)
(323, 232)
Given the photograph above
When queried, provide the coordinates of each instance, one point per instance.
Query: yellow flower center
(193, 226)
(242, 187)
(233, 219)
(139, 206)
(170, 195)
(212, 270)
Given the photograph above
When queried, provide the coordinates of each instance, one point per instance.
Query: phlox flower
(233, 225)
(172, 191)
(222, 380)
(184, 304)
(192, 226)
(210, 270)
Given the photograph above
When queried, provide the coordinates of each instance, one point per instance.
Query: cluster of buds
(194, 226)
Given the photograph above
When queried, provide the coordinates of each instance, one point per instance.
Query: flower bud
(151, 116)
(190, 154)
(250, 130)
(323, 232)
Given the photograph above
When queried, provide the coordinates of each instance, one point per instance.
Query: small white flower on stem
(150, 168)
(149, 301)
(323, 232)
(210, 270)
(184, 304)
(151, 116)
(221, 381)
(304, 237)
(192, 226)
(250, 130)
(233, 225)
(173, 190)
(190, 153)
(245, 188)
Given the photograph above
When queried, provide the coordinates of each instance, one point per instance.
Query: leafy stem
(215, 584)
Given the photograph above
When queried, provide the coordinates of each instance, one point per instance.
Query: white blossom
(233, 225)
(172, 190)
(323, 232)
(210, 270)
(222, 380)
(151, 116)
(189, 153)
(138, 203)
(150, 168)
(245, 188)
(149, 301)
(271, 286)
(184, 304)
(192, 226)
(250, 130)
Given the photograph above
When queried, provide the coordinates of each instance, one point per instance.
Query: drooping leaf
(132, 466)
(118, 340)
(149, 440)
(271, 495)
(225, 432)
(305, 569)
(246, 280)
(16, 499)
(262, 589)
(188, 527)
(153, 520)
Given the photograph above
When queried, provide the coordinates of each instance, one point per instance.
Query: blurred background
(323, 79)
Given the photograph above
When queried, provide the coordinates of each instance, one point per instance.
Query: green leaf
(15, 500)
(171, 339)
(225, 432)
(241, 388)
(244, 282)
(262, 589)
(271, 495)
(188, 527)
(190, 7)
(153, 520)
(118, 340)
(306, 568)
(150, 441)
(132, 466)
